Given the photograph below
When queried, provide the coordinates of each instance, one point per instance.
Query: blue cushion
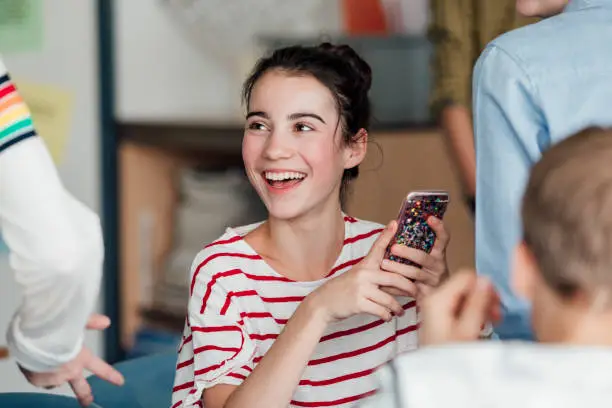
(148, 383)
(30, 399)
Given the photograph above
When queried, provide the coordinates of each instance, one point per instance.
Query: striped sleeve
(15, 119)
(216, 348)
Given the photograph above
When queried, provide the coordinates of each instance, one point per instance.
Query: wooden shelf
(212, 139)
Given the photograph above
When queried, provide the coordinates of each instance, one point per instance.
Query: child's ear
(524, 271)
(356, 151)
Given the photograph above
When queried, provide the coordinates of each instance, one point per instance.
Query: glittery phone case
(412, 229)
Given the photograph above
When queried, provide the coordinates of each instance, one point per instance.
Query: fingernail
(119, 379)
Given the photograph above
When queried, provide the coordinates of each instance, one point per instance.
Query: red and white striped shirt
(239, 305)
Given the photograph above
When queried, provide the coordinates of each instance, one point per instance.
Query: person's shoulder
(513, 54)
(478, 372)
(459, 368)
(227, 252)
(361, 223)
(360, 227)
(492, 356)
(452, 353)
(511, 40)
(361, 234)
(535, 44)
(519, 46)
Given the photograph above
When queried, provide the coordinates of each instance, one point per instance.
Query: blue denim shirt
(532, 87)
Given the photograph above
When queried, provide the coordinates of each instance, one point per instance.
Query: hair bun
(361, 69)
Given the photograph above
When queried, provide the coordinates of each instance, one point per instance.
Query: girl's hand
(433, 270)
(359, 290)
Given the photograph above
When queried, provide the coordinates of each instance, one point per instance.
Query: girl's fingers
(385, 300)
(412, 254)
(377, 252)
(395, 292)
(395, 280)
(408, 271)
(442, 236)
(375, 309)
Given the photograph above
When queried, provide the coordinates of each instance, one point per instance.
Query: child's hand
(458, 310)
(433, 270)
(359, 290)
(73, 371)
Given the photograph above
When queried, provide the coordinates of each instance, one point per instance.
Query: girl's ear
(356, 151)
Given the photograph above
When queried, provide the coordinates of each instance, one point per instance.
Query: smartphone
(412, 227)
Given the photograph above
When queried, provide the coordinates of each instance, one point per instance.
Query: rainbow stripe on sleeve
(15, 119)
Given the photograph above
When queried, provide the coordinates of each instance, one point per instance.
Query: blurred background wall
(155, 124)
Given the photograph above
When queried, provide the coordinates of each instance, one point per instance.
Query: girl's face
(293, 149)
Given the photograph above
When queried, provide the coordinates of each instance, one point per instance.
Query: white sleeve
(56, 252)
(386, 396)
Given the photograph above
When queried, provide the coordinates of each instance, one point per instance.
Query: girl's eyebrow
(258, 113)
(299, 115)
(293, 116)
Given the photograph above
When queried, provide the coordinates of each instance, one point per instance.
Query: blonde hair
(567, 213)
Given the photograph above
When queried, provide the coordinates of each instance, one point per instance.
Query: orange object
(364, 17)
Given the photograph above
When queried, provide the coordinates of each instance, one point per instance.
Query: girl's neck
(307, 247)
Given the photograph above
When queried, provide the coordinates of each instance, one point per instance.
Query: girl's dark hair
(342, 71)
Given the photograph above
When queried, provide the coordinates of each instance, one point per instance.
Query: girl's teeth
(287, 175)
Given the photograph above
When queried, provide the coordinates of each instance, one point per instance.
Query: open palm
(72, 372)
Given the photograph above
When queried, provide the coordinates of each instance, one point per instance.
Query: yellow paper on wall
(51, 108)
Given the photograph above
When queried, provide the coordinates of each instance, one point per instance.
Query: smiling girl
(301, 309)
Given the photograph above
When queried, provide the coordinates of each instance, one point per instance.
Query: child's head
(564, 265)
(308, 114)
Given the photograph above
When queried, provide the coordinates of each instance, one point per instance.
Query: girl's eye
(301, 127)
(256, 126)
